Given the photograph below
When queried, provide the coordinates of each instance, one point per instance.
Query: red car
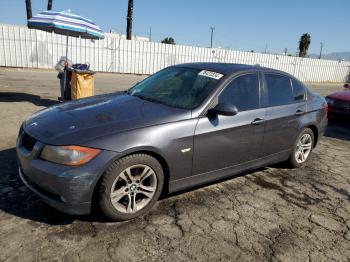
(339, 103)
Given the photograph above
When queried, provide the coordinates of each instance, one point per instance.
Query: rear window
(279, 90)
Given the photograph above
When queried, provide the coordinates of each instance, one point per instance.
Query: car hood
(78, 121)
(341, 95)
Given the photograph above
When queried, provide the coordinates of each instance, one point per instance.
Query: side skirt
(205, 178)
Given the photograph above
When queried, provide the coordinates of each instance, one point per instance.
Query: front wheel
(131, 186)
(302, 148)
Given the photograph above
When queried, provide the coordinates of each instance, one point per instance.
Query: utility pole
(29, 9)
(211, 36)
(320, 56)
(265, 48)
(49, 5)
(150, 34)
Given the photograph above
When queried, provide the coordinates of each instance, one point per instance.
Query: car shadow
(24, 97)
(338, 128)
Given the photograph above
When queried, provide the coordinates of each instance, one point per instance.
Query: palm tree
(168, 40)
(129, 19)
(29, 8)
(304, 43)
(49, 5)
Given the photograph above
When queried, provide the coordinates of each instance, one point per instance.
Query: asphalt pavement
(270, 214)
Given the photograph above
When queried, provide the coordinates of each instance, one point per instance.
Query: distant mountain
(333, 56)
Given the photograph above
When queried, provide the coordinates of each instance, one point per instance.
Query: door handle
(299, 112)
(258, 121)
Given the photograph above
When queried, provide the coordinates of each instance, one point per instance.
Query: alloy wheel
(133, 188)
(303, 148)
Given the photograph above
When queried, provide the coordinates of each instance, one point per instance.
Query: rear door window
(280, 90)
(242, 92)
(298, 91)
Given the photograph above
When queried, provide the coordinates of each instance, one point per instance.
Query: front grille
(28, 142)
(341, 104)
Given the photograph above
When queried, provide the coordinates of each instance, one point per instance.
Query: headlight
(330, 101)
(69, 155)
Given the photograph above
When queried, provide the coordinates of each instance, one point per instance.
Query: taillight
(325, 107)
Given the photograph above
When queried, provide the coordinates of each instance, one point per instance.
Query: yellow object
(82, 85)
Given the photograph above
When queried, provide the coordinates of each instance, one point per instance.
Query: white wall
(133, 37)
(23, 47)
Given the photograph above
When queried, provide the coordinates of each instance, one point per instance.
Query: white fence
(22, 47)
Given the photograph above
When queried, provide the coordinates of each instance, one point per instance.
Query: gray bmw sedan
(183, 126)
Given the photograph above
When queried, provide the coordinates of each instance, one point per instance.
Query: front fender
(167, 140)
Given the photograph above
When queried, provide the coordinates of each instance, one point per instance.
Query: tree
(49, 5)
(129, 19)
(168, 40)
(29, 8)
(304, 43)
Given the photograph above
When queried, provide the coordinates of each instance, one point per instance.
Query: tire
(295, 158)
(135, 183)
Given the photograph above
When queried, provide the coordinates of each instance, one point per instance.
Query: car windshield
(178, 87)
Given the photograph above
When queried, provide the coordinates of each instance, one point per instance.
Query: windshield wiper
(150, 99)
(145, 98)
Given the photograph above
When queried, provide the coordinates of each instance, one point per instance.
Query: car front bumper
(334, 112)
(69, 208)
(66, 188)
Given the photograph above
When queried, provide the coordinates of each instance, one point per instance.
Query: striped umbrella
(65, 23)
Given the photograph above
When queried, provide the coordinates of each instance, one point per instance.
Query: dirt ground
(271, 214)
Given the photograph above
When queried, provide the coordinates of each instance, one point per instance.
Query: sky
(239, 25)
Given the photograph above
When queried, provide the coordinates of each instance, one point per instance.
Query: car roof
(227, 68)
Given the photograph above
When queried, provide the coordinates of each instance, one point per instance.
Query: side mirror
(223, 109)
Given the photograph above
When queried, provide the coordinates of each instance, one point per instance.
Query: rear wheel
(302, 148)
(131, 186)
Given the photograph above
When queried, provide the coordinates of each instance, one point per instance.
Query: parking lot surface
(270, 214)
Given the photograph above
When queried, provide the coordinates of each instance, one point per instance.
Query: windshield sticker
(210, 74)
